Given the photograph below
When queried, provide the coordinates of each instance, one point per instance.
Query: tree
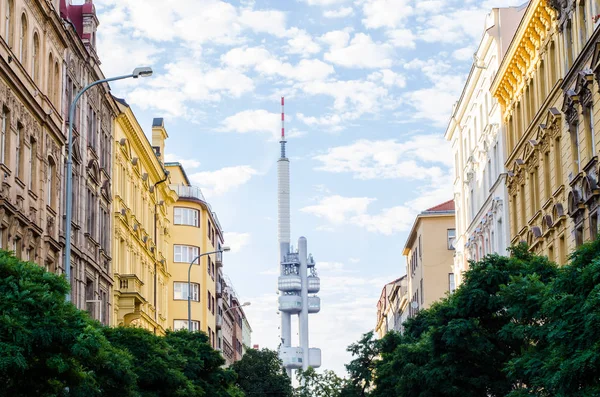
(314, 384)
(47, 345)
(203, 364)
(462, 345)
(158, 365)
(260, 373)
(361, 368)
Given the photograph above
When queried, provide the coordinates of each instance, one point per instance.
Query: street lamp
(236, 307)
(224, 249)
(137, 72)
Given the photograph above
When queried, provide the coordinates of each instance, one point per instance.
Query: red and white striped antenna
(282, 128)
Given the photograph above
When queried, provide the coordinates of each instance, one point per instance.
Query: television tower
(298, 276)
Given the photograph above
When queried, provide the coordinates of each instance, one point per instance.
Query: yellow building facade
(142, 199)
(429, 253)
(196, 230)
(547, 91)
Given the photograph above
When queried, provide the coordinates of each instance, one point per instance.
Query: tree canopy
(260, 373)
(50, 348)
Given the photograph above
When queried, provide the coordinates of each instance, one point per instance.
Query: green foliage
(361, 369)
(260, 373)
(314, 384)
(518, 326)
(46, 344)
(50, 348)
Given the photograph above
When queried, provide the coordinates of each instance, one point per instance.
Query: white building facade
(478, 144)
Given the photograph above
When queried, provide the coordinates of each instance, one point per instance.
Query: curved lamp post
(137, 72)
(224, 249)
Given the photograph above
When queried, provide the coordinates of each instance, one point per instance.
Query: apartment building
(477, 136)
(196, 230)
(392, 307)
(429, 253)
(548, 90)
(141, 199)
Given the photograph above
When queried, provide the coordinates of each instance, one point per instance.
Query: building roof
(446, 206)
(158, 122)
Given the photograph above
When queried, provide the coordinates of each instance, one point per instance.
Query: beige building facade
(141, 201)
(429, 253)
(392, 307)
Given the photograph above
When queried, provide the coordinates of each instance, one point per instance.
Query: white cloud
(362, 52)
(301, 42)
(337, 209)
(423, 157)
(340, 210)
(354, 260)
(264, 21)
(325, 2)
(430, 6)
(336, 38)
(458, 26)
(339, 13)
(464, 54)
(265, 63)
(236, 241)
(385, 13)
(402, 38)
(187, 163)
(388, 78)
(214, 183)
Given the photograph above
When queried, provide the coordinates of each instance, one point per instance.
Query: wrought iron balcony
(188, 192)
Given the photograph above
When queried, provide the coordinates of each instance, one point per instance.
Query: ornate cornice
(523, 55)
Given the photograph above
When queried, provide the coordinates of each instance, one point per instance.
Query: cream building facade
(196, 230)
(476, 134)
(429, 253)
(141, 201)
(392, 307)
(547, 89)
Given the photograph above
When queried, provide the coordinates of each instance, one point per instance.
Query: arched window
(582, 20)
(9, 22)
(552, 64)
(50, 83)
(542, 79)
(57, 84)
(50, 182)
(23, 41)
(33, 165)
(35, 61)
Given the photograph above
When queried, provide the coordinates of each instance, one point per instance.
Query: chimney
(159, 134)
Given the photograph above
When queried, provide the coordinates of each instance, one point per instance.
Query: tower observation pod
(298, 281)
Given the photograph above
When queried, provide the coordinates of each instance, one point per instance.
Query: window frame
(185, 326)
(450, 246)
(185, 216)
(183, 293)
(190, 248)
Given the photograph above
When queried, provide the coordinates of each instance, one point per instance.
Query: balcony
(219, 259)
(219, 290)
(188, 192)
(130, 284)
(219, 322)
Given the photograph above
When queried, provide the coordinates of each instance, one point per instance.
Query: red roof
(447, 206)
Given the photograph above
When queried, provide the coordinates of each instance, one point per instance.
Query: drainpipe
(156, 243)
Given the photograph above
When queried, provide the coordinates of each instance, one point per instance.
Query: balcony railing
(188, 192)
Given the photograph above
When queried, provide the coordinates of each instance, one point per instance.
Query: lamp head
(245, 304)
(144, 71)
(225, 249)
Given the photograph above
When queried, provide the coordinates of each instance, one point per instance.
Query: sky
(369, 87)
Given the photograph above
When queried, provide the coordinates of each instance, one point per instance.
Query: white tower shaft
(303, 315)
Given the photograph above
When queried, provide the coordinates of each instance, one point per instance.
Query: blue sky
(369, 86)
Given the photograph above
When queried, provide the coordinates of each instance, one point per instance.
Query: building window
(523, 214)
(91, 214)
(594, 226)
(588, 114)
(32, 164)
(557, 163)
(542, 73)
(422, 292)
(451, 233)
(183, 324)
(19, 151)
(562, 250)
(575, 148)
(209, 300)
(185, 253)
(9, 23)
(551, 253)
(533, 190)
(4, 134)
(547, 186)
(23, 41)
(582, 24)
(569, 45)
(35, 64)
(579, 235)
(56, 84)
(50, 182)
(186, 216)
(180, 291)
(451, 283)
